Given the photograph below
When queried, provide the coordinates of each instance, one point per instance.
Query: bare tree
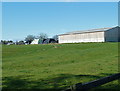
(42, 36)
(29, 39)
(55, 37)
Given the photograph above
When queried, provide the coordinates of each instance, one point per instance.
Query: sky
(60, 0)
(20, 19)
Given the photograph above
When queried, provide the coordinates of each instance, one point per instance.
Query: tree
(20, 42)
(29, 39)
(4, 42)
(55, 37)
(42, 36)
(10, 41)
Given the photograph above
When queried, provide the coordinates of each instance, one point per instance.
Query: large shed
(94, 35)
(44, 41)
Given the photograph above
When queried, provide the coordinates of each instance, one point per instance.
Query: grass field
(57, 66)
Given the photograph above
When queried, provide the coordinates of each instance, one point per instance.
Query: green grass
(57, 66)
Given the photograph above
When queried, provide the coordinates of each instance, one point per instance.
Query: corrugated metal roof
(86, 31)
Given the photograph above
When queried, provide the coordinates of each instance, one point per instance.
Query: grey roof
(86, 31)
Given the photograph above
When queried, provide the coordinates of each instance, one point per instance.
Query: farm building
(44, 41)
(94, 35)
(35, 41)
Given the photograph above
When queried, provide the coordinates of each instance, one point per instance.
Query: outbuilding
(94, 35)
(44, 41)
(35, 41)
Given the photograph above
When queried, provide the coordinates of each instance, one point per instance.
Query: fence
(87, 86)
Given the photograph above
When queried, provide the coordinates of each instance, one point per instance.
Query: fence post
(76, 87)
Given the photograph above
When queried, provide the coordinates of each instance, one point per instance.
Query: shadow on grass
(60, 82)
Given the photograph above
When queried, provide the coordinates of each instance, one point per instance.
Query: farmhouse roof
(86, 31)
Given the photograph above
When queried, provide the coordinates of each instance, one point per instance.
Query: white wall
(35, 41)
(83, 37)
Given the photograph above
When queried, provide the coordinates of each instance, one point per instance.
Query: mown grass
(57, 66)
